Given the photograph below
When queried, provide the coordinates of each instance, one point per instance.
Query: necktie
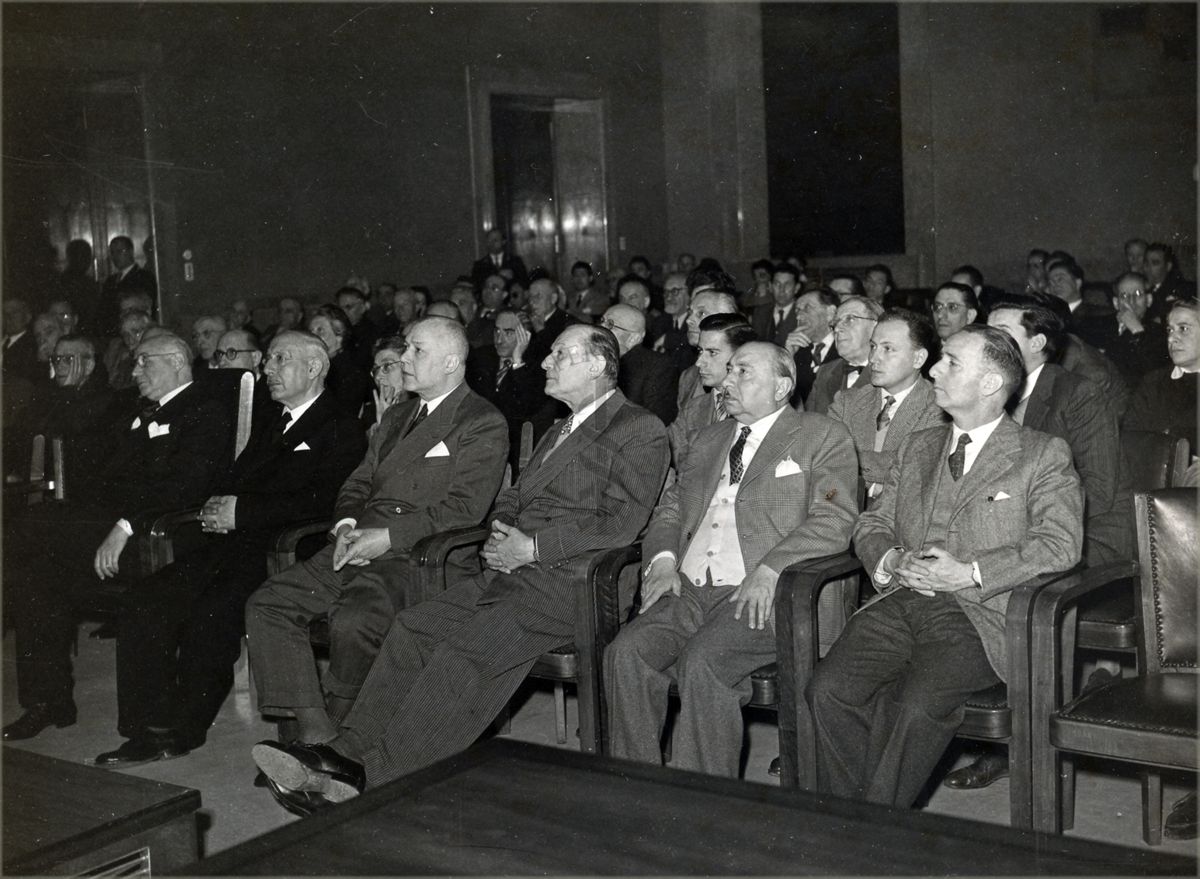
(884, 418)
(816, 354)
(735, 456)
(852, 374)
(285, 418)
(563, 433)
(149, 411)
(505, 367)
(422, 414)
(778, 316)
(719, 405)
(958, 458)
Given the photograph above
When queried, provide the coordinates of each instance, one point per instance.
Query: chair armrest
(157, 530)
(429, 554)
(282, 554)
(796, 653)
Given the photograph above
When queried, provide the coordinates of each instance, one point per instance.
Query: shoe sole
(291, 774)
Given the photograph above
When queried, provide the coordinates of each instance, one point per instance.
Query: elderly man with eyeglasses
(434, 463)
(646, 377)
(172, 451)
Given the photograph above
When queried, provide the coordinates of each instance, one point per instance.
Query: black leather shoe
(979, 774)
(144, 749)
(774, 769)
(298, 802)
(36, 718)
(300, 767)
(1181, 823)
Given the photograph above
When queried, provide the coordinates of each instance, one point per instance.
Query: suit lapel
(924, 461)
(906, 415)
(1037, 409)
(405, 449)
(999, 454)
(542, 470)
(308, 423)
(773, 445)
(714, 454)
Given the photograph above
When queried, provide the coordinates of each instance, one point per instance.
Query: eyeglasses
(1131, 294)
(64, 359)
(231, 353)
(675, 290)
(386, 366)
(845, 320)
(141, 359)
(609, 324)
(952, 307)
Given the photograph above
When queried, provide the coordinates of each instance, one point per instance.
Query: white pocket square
(787, 467)
(137, 422)
(438, 451)
(156, 429)
(303, 447)
(1001, 496)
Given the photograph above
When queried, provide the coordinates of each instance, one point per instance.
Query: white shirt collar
(786, 309)
(899, 396)
(1179, 372)
(979, 436)
(299, 411)
(1030, 383)
(12, 340)
(758, 432)
(1074, 305)
(577, 418)
(827, 341)
(171, 395)
(430, 405)
(126, 270)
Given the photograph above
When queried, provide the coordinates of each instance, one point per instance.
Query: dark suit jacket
(281, 478)
(178, 467)
(595, 492)
(348, 383)
(104, 321)
(806, 375)
(781, 519)
(1162, 403)
(690, 386)
(1095, 324)
(658, 324)
(483, 268)
(481, 332)
(1136, 355)
(1078, 357)
(406, 485)
(648, 379)
(829, 382)
(539, 345)
(1018, 515)
(521, 397)
(1073, 408)
(763, 322)
(675, 346)
(20, 361)
(858, 408)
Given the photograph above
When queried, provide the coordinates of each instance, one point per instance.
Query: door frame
(483, 81)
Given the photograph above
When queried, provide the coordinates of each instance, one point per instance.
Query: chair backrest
(1166, 526)
(245, 413)
(1156, 460)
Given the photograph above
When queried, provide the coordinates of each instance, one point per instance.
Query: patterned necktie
(884, 418)
(563, 433)
(422, 414)
(505, 367)
(735, 456)
(958, 458)
(719, 405)
(816, 354)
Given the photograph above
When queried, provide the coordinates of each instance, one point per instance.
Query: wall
(1026, 127)
(301, 143)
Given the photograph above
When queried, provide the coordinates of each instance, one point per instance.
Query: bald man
(645, 377)
(434, 463)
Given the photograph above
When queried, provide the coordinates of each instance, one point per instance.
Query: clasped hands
(217, 516)
(507, 548)
(755, 594)
(928, 570)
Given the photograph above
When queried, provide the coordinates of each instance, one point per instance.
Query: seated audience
(363, 332)
(448, 310)
(494, 296)
(66, 315)
(771, 488)
(498, 260)
(944, 555)
(899, 400)
(237, 349)
(954, 306)
(636, 291)
(1165, 400)
(1139, 344)
(674, 342)
(878, 284)
(759, 293)
(591, 486)
(1135, 255)
(347, 382)
(206, 332)
(1035, 271)
(1166, 283)
(645, 377)
(170, 456)
(853, 323)
(291, 317)
(585, 302)
(548, 319)
(46, 333)
(479, 328)
(180, 629)
(846, 285)
(19, 356)
(1092, 323)
(389, 378)
(708, 297)
(380, 309)
(239, 315)
(775, 321)
(811, 343)
(504, 376)
(118, 359)
(434, 463)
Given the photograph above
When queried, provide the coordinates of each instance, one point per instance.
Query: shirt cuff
(665, 554)
(347, 521)
(124, 525)
(975, 575)
(881, 576)
(537, 556)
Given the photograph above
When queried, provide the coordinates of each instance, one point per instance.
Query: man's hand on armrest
(508, 548)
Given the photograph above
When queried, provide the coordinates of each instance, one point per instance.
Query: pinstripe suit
(450, 664)
(858, 409)
(780, 519)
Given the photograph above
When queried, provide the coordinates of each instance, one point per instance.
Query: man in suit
(645, 377)
(590, 486)
(498, 261)
(706, 299)
(480, 328)
(502, 374)
(19, 357)
(1092, 323)
(180, 628)
(636, 292)
(775, 321)
(363, 332)
(434, 463)
(853, 323)
(170, 456)
(954, 306)
(291, 317)
(721, 335)
(1167, 285)
(1166, 398)
(126, 276)
(674, 342)
(1139, 344)
(765, 490)
(899, 401)
(548, 319)
(206, 333)
(811, 343)
(586, 302)
(970, 510)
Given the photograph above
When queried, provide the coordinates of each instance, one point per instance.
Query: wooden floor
(233, 810)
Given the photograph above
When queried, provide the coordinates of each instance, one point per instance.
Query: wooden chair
(1150, 719)
(1000, 713)
(600, 610)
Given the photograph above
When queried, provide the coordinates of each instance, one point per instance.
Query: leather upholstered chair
(1149, 720)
